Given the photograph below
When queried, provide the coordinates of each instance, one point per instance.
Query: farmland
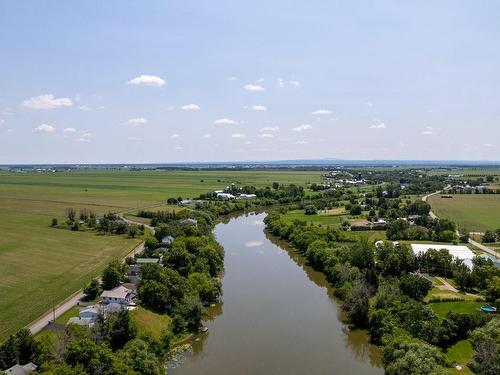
(472, 212)
(42, 265)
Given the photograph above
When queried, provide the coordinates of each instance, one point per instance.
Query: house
(461, 252)
(247, 196)
(167, 240)
(120, 294)
(90, 312)
(225, 196)
(21, 370)
(189, 222)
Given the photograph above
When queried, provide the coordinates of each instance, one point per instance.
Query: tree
(486, 344)
(276, 185)
(154, 295)
(355, 210)
(27, 347)
(132, 231)
(462, 276)
(310, 210)
(92, 290)
(208, 289)
(414, 286)
(70, 214)
(54, 222)
(357, 303)
(111, 276)
(488, 237)
(122, 329)
(137, 356)
(363, 255)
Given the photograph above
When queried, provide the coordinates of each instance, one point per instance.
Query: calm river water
(278, 315)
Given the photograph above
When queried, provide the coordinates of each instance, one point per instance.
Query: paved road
(424, 198)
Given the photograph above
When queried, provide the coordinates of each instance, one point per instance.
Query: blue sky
(167, 81)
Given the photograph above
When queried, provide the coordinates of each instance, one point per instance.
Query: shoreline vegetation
(382, 286)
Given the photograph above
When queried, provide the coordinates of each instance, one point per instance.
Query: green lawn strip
(73, 312)
(460, 354)
(467, 307)
(149, 322)
(445, 294)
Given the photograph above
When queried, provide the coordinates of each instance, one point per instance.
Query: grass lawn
(442, 308)
(460, 354)
(472, 212)
(149, 322)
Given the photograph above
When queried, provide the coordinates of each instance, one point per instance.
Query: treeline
(425, 228)
(381, 292)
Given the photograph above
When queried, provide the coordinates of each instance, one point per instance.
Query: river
(278, 315)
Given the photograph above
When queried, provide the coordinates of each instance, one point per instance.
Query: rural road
(471, 241)
(40, 323)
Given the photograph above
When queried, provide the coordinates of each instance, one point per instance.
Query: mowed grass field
(472, 212)
(42, 265)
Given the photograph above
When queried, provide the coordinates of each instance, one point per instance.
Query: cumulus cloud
(238, 136)
(254, 88)
(69, 130)
(179, 148)
(225, 121)
(190, 107)
(320, 112)
(174, 136)
(146, 80)
(429, 130)
(269, 129)
(295, 83)
(380, 125)
(86, 135)
(280, 82)
(253, 243)
(302, 142)
(266, 135)
(136, 121)
(47, 101)
(207, 136)
(302, 128)
(259, 108)
(44, 128)
(84, 108)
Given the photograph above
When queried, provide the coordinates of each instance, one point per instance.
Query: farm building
(21, 370)
(457, 251)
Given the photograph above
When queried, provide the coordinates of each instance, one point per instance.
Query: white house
(90, 312)
(120, 295)
(457, 251)
(247, 196)
(225, 196)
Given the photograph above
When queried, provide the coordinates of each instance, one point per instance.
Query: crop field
(472, 212)
(41, 265)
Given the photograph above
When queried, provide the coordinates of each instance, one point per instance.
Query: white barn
(457, 251)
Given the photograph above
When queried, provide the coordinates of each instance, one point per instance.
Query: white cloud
(134, 139)
(238, 136)
(302, 128)
(260, 80)
(322, 112)
(179, 148)
(253, 243)
(47, 101)
(368, 104)
(233, 78)
(44, 128)
(266, 135)
(269, 129)
(380, 125)
(84, 108)
(302, 142)
(225, 121)
(254, 88)
(81, 139)
(280, 82)
(69, 130)
(174, 136)
(86, 135)
(136, 121)
(295, 83)
(190, 107)
(259, 108)
(147, 80)
(429, 131)
(207, 136)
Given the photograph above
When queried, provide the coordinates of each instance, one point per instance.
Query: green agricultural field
(472, 212)
(42, 265)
